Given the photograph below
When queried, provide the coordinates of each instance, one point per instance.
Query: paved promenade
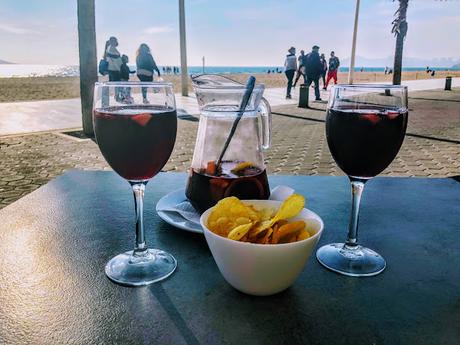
(37, 116)
(431, 148)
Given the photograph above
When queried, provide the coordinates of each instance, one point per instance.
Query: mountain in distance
(456, 65)
(3, 62)
(407, 62)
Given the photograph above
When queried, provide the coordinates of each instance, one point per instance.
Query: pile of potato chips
(233, 219)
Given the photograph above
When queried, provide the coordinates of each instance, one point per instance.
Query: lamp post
(183, 49)
(351, 72)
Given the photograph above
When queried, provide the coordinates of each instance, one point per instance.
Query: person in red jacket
(334, 64)
(323, 73)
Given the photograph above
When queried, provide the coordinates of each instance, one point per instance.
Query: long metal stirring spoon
(244, 102)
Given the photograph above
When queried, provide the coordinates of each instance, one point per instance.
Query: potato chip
(263, 237)
(290, 207)
(228, 210)
(238, 232)
(223, 225)
(284, 232)
(282, 222)
(303, 234)
(259, 228)
(235, 220)
(242, 220)
(266, 238)
(265, 213)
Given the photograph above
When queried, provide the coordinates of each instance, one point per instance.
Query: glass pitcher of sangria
(241, 170)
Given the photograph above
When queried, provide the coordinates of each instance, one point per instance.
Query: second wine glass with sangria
(365, 128)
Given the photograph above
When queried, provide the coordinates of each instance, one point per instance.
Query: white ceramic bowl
(262, 269)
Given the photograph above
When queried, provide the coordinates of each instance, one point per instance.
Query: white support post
(351, 72)
(183, 49)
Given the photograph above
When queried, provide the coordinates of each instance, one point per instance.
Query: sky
(227, 33)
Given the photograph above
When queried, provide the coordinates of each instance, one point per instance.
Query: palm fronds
(399, 23)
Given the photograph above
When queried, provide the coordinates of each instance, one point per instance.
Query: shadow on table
(456, 178)
(163, 298)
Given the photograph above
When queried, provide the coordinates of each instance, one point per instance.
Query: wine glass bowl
(365, 128)
(136, 139)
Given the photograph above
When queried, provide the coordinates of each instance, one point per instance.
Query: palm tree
(400, 31)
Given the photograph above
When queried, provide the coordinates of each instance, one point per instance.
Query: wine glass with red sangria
(136, 139)
(365, 128)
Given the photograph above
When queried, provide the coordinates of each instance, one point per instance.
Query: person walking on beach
(301, 68)
(334, 64)
(323, 73)
(290, 66)
(113, 57)
(125, 93)
(313, 69)
(124, 69)
(146, 67)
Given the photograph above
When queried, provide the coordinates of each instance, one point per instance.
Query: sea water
(18, 70)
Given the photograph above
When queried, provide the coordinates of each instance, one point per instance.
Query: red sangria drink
(233, 132)
(363, 142)
(365, 128)
(244, 180)
(136, 141)
(136, 135)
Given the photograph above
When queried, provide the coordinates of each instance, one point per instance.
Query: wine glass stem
(357, 187)
(138, 190)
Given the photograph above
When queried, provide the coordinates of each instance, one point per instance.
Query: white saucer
(176, 197)
(174, 218)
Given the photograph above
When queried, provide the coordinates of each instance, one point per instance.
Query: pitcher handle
(265, 115)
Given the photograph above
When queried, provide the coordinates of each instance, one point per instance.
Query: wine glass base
(151, 267)
(355, 261)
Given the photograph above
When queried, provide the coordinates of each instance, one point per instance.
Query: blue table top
(55, 242)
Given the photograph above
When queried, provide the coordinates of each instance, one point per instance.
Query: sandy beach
(46, 88)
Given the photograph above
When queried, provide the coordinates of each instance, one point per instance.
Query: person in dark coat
(301, 68)
(323, 73)
(314, 69)
(146, 66)
(124, 69)
(125, 92)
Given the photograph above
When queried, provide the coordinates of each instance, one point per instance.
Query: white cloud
(16, 30)
(157, 30)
